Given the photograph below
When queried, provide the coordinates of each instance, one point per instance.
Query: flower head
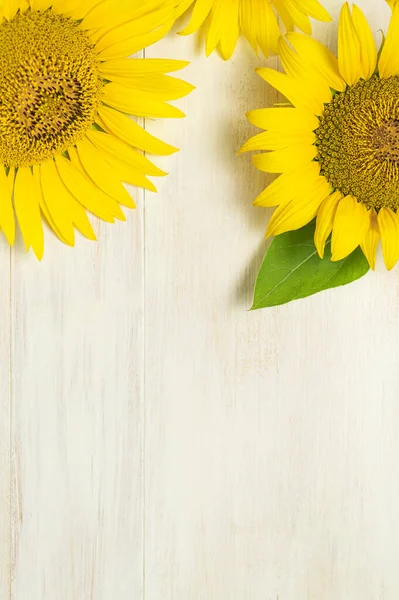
(256, 19)
(66, 89)
(337, 146)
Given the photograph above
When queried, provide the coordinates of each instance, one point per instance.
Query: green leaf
(292, 269)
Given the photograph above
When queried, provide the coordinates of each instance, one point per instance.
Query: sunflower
(337, 146)
(66, 88)
(256, 19)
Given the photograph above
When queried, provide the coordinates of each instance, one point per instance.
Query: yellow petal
(283, 119)
(350, 226)
(128, 174)
(121, 152)
(140, 66)
(297, 92)
(223, 28)
(258, 23)
(349, 52)
(388, 222)
(320, 57)
(296, 67)
(44, 209)
(370, 242)
(136, 102)
(40, 4)
(63, 207)
(101, 173)
(388, 65)
(7, 220)
(284, 14)
(314, 9)
(200, 12)
(9, 8)
(298, 16)
(135, 44)
(300, 211)
(367, 43)
(160, 86)
(56, 206)
(89, 195)
(131, 133)
(27, 210)
(289, 186)
(273, 140)
(325, 221)
(284, 161)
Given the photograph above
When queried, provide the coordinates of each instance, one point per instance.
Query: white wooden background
(158, 441)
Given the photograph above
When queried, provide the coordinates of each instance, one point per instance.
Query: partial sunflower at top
(337, 146)
(257, 20)
(66, 89)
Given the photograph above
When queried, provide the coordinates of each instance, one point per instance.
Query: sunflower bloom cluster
(67, 88)
(337, 145)
(256, 19)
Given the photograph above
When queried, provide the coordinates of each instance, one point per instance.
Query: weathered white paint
(159, 442)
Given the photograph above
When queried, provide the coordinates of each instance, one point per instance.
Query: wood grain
(77, 399)
(5, 390)
(271, 447)
(160, 442)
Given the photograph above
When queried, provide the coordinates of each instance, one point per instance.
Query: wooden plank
(77, 360)
(271, 437)
(6, 327)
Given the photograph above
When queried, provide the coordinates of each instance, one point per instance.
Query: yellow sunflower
(256, 19)
(66, 89)
(337, 146)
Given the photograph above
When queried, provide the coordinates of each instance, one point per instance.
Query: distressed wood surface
(158, 441)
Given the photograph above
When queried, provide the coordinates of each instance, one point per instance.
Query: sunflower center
(49, 86)
(358, 142)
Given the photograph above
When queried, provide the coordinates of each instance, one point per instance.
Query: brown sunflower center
(358, 142)
(49, 86)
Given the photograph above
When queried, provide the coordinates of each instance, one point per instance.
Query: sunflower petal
(298, 16)
(139, 103)
(314, 9)
(388, 222)
(101, 173)
(259, 25)
(140, 66)
(325, 221)
(286, 119)
(295, 91)
(121, 152)
(295, 67)
(57, 208)
(273, 140)
(7, 220)
(86, 193)
(350, 225)
(349, 51)
(223, 29)
(370, 242)
(286, 160)
(367, 43)
(131, 133)
(300, 211)
(290, 185)
(27, 210)
(321, 58)
(388, 64)
(200, 12)
(135, 44)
